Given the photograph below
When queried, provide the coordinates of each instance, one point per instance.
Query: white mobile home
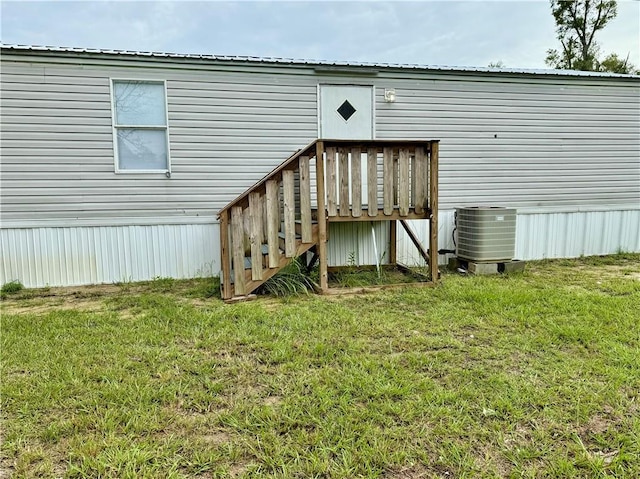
(115, 164)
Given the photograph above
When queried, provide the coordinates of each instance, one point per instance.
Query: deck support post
(322, 216)
(393, 241)
(433, 208)
(226, 259)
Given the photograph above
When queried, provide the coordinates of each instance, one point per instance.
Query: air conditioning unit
(486, 233)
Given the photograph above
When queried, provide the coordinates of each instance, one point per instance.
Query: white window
(140, 136)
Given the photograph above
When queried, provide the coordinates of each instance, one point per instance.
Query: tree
(614, 64)
(498, 64)
(577, 22)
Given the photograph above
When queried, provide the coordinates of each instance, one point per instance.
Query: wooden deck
(287, 212)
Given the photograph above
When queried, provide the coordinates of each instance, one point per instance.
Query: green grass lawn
(528, 375)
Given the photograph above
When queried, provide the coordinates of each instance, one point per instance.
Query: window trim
(115, 126)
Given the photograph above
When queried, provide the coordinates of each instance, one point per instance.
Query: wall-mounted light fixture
(390, 95)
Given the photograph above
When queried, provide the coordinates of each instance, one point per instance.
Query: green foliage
(353, 276)
(498, 64)
(290, 280)
(614, 64)
(11, 287)
(577, 22)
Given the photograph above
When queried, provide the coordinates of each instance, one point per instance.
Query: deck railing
(377, 179)
(286, 213)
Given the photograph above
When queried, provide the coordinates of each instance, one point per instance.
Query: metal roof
(300, 62)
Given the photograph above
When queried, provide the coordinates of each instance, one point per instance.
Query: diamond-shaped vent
(346, 110)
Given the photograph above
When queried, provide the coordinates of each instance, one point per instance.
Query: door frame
(373, 104)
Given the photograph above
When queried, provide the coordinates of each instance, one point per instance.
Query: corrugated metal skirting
(353, 243)
(57, 256)
(91, 255)
(545, 234)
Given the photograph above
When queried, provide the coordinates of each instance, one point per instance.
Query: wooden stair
(271, 222)
(277, 219)
(300, 248)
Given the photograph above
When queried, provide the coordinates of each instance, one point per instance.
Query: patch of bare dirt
(216, 438)
(44, 300)
(272, 401)
(417, 471)
(599, 423)
(238, 469)
(7, 467)
(625, 271)
(40, 307)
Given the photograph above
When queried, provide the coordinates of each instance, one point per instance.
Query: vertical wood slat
(343, 178)
(412, 177)
(322, 219)
(372, 181)
(237, 247)
(421, 183)
(288, 183)
(332, 183)
(356, 182)
(394, 170)
(273, 223)
(387, 180)
(255, 236)
(225, 255)
(265, 216)
(433, 205)
(305, 199)
(404, 190)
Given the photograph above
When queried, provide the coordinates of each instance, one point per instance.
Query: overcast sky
(453, 33)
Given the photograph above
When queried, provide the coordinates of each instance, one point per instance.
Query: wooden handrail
(243, 198)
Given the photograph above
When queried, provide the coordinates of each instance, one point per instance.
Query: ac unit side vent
(486, 233)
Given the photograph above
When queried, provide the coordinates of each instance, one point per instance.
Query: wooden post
(237, 247)
(224, 255)
(372, 181)
(404, 185)
(322, 216)
(387, 180)
(343, 179)
(331, 183)
(433, 205)
(273, 225)
(288, 186)
(356, 182)
(393, 242)
(255, 235)
(305, 200)
(421, 182)
(412, 175)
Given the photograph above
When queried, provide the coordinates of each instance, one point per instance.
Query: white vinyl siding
(527, 141)
(140, 126)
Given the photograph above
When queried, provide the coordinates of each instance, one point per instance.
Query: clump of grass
(291, 280)
(11, 287)
(160, 283)
(356, 277)
(204, 288)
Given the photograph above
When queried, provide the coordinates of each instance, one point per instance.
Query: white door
(346, 112)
